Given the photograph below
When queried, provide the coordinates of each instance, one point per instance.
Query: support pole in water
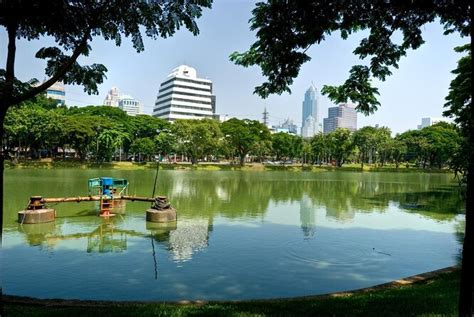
(156, 176)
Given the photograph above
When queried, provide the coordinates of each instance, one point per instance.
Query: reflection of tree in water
(439, 203)
(307, 218)
(342, 194)
(38, 234)
(232, 197)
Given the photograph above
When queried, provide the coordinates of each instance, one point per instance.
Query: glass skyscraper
(310, 122)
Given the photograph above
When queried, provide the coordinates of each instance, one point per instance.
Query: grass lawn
(49, 164)
(437, 296)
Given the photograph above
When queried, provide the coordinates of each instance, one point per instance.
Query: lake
(239, 235)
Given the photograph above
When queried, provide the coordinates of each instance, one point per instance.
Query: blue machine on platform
(107, 186)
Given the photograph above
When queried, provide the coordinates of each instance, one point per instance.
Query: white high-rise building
(185, 96)
(125, 102)
(112, 98)
(310, 109)
(426, 122)
(131, 106)
(309, 127)
(56, 91)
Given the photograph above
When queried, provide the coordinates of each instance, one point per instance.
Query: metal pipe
(97, 198)
(70, 199)
(138, 198)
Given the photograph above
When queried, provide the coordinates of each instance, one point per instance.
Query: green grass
(433, 297)
(48, 164)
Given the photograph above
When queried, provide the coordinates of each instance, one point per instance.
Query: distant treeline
(39, 128)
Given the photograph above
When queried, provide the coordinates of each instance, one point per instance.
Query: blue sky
(417, 89)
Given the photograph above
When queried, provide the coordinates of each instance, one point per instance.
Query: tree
(444, 141)
(320, 148)
(286, 29)
(143, 146)
(399, 150)
(281, 145)
(108, 141)
(165, 142)
(197, 138)
(72, 25)
(382, 144)
(341, 145)
(365, 140)
(79, 133)
(243, 135)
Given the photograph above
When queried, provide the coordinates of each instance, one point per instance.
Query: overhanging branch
(63, 70)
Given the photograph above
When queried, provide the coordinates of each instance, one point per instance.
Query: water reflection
(342, 195)
(38, 234)
(107, 238)
(307, 218)
(181, 238)
(238, 235)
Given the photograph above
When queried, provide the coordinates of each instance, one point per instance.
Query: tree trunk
(466, 292)
(466, 289)
(242, 159)
(2, 160)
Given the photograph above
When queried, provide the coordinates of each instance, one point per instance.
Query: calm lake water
(239, 235)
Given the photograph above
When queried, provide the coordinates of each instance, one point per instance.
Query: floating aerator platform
(109, 192)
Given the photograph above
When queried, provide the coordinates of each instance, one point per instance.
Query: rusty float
(37, 212)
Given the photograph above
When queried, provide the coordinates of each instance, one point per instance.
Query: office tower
(342, 116)
(112, 98)
(185, 96)
(57, 92)
(131, 106)
(310, 126)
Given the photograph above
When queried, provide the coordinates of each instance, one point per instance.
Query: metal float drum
(165, 215)
(36, 215)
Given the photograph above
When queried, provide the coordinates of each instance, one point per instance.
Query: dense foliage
(286, 29)
(39, 128)
(72, 25)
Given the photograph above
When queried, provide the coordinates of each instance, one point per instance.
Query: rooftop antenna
(265, 116)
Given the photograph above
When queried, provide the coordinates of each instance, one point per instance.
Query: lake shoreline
(225, 166)
(446, 278)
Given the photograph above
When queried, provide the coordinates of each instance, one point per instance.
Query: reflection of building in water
(104, 239)
(190, 236)
(307, 217)
(341, 214)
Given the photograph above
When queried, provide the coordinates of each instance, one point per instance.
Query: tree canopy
(73, 24)
(286, 29)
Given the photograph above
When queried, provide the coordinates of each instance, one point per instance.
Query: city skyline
(418, 86)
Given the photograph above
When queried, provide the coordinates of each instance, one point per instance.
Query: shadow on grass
(437, 296)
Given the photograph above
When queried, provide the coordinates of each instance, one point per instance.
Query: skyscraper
(112, 97)
(185, 96)
(342, 116)
(125, 102)
(426, 122)
(131, 106)
(310, 109)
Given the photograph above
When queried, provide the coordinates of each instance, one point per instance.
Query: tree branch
(10, 66)
(64, 69)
